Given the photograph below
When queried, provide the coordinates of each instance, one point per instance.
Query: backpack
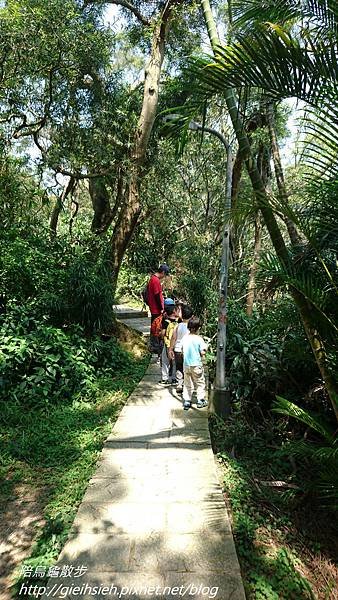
(156, 326)
(145, 295)
(169, 332)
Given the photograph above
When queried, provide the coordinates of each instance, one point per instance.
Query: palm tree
(271, 58)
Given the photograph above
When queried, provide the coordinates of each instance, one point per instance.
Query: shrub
(40, 363)
(88, 294)
(70, 284)
(130, 282)
(266, 353)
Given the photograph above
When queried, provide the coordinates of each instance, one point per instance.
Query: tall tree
(283, 195)
(131, 209)
(263, 202)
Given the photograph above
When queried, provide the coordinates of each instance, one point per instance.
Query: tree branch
(34, 128)
(68, 189)
(129, 6)
(79, 175)
(71, 221)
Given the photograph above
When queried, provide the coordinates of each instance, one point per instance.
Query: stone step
(124, 312)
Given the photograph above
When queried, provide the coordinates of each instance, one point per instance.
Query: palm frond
(321, 12)
(320, 151)
(316, 218)
(304, 281)
(283, 66)
(176, 121)
(277, 64)
(318, 223)
(247, 12)
(316, 450)
(324, 458)
(289, 409)
(327, 453)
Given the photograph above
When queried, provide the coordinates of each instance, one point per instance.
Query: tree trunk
(236, 178)
(270, 221)
(104, 215)
(100, 202)
(131, 209)
(68, 189)
(292, 230)
(54, 219)
(263, 165)
(250, 298)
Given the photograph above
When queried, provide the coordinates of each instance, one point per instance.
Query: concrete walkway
(153, 523)
(136, 319)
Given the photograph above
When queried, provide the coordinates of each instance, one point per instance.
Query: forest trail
(153, 522)
(133, 317)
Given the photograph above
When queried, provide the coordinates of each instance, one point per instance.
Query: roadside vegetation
(66, 370)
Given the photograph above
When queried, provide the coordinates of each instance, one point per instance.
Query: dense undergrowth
(52, 428)
(66, 370)
(279, 472)
(60, 280)
(285, 538)
(43, 364)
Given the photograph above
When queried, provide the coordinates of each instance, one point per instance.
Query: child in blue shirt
(193, 348)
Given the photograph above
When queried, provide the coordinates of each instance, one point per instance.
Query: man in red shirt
(155, 298)
(155, 294)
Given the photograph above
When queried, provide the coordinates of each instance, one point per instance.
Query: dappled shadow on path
(153, 513)
(53, 455)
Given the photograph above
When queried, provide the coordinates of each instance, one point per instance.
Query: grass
(285, 542)
(53, 451)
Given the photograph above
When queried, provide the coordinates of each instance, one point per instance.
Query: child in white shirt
(175, 351)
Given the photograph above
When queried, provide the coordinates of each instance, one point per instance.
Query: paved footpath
(134, 318)
(153, 523)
